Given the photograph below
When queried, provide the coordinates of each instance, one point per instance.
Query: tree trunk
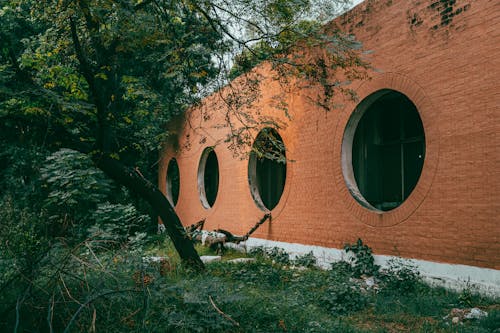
(106, 96)
(134, 181)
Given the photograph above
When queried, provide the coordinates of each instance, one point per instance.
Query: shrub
(278, 255)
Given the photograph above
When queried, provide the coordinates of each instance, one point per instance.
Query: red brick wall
(443, 55)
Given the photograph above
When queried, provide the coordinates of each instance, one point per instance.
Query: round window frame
(348, 142)
(168, 184)
(201, 178)
(252, 176)
(430, 121)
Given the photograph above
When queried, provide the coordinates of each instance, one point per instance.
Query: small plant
(278, 256)
(275, 254)
(342, 298)
(466, 296)
(341, 270)
(307, 260)
(362, 260)
(257, 251)
(401, 276)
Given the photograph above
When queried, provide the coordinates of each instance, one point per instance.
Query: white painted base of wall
(457, 277)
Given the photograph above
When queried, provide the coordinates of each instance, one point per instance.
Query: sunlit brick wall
(445, 57)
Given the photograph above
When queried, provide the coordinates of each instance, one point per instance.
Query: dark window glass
(211, 178)
(269, 160)
(388, 151)
(173, 181)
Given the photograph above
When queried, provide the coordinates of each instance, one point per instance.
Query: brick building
(412, 168)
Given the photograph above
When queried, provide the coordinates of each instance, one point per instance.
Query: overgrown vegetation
(140, 286)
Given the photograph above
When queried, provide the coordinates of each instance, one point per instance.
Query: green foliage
(306, 260)
(362, 260)
(72, 180)
(116, 222)
(122, 291)
(275, 254)
(21, 237)
(401, 276)
(74, 187)
(468, 296)
(20, 166)
(23, 224)
(22, 242)
(342, 267)
(491, 323)
(278, 255)
(342, 298)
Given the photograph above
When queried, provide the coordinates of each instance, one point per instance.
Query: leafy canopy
(112, 74)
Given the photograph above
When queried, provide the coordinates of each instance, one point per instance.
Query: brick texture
(443, 55)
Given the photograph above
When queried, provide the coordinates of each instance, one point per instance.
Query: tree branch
(85, 67)
(222, 313)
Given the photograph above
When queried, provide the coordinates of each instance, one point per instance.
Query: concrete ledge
(452, 276)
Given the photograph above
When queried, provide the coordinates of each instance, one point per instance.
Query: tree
(106, 77)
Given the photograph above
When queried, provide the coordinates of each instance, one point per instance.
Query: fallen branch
(230, 237)
(258, 224)
(195, 227)
(237, 239)
(217, 238)
(222, 313)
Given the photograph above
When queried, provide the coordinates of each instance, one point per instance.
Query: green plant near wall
(362, 261)
(401, 276)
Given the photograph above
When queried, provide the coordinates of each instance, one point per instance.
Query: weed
(307, 260)
(342, 298)
(342, 268)
(362, 260)
(275, 254)
(279, 256)
(401, 276)
(465, 298)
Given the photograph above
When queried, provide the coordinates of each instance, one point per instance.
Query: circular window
(267, 169)
(208, 177)
(173, 182)
(383, 150)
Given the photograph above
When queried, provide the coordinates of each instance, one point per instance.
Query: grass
(269, 294)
